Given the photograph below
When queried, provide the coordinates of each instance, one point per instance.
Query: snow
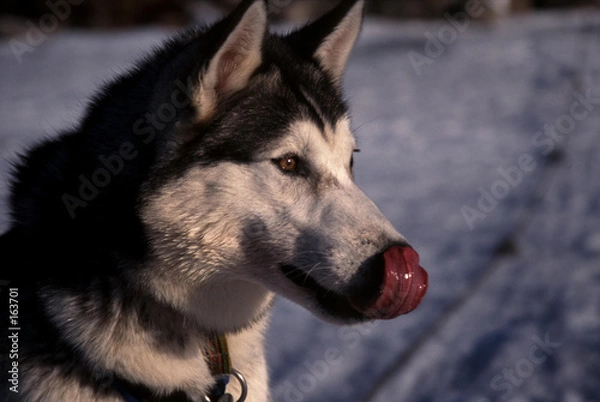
(513, 310)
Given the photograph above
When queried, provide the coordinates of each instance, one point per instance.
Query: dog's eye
(288, 163)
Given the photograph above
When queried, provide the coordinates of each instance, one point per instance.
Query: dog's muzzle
(390, 284)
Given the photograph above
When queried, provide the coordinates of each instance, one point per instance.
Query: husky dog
(216, 174)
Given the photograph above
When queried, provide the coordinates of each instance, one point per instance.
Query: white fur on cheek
(199, 265)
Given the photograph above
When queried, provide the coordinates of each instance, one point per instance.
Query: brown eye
(288, 163)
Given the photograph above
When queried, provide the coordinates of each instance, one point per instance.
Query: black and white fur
(201, 225)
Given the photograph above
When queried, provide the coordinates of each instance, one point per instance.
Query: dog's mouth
(332, 302)
(394, 284)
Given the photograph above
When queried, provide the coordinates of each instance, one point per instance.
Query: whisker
(310, 271)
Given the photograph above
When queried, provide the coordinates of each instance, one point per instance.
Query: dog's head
(255, 186)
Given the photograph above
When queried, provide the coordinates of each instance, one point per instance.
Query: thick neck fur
(212, 299)
(152, 336)
(136, 338)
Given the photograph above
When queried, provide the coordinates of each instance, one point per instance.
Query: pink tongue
(404, 284)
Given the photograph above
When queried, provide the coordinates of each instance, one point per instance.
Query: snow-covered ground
(483, 150)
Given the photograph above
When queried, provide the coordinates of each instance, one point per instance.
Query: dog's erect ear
(239, 56)
(331, 38)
